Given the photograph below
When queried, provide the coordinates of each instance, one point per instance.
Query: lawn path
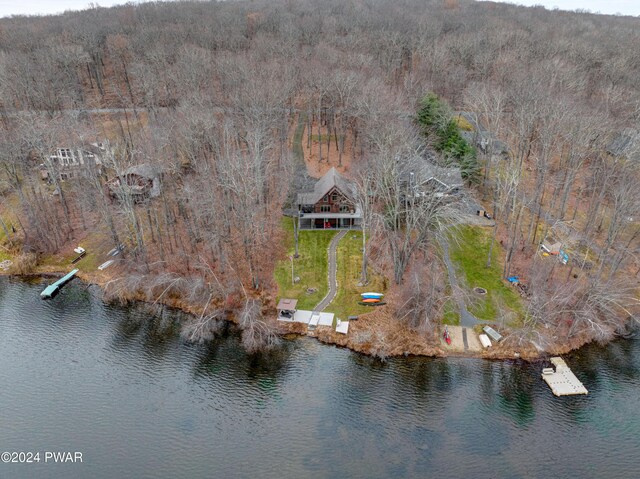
(467, 320)
(333, 267)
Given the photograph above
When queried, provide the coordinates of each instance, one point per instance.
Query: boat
(372, 295)
(379, 303)
(446, 335)
(371, 300)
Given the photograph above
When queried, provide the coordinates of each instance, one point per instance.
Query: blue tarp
(564, 257)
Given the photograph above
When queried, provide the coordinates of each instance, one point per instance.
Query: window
(326, 198)
(325, 209)
(345, 209)
(66, 157)
(334, 197)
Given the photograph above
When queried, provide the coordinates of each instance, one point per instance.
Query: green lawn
(348, 275)
(96, 255)
(5, 251)
(311, 267)
(451, 316)
(469, 252)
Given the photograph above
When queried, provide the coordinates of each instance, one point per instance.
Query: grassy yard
(451, 316)
(311, 267)
(469, 253)
(9, 220)
(96, 255)
(345, 303)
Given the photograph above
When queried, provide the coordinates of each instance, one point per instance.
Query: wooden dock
(561, 380)
(51, 290)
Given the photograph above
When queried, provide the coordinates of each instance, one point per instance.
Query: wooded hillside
(209, 95)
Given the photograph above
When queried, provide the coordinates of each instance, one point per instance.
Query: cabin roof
(287, 304)
(324, 185)
(144, 170)
(450, 177)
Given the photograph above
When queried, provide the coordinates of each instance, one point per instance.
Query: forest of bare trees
(208, 93)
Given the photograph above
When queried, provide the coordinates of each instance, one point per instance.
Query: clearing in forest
(311, 266)
(348, 275)
(312, 269)
(469, 251)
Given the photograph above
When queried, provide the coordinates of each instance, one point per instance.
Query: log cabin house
(331, 204)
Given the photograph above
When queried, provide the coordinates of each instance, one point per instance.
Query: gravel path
(333, 267)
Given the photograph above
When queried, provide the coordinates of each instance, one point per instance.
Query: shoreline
(326, 335)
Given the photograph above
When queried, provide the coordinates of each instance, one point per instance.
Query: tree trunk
(320, 130)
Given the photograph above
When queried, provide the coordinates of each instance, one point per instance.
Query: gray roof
(625, 143)
(482, 137)
(446, 176)
(144, 170)
(324, 185)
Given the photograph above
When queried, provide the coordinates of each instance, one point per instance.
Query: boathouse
(286, 309)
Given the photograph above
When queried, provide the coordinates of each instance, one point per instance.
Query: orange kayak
(371, 300)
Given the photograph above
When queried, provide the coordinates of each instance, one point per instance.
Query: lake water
(120, 386)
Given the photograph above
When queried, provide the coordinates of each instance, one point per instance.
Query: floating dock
(561, 380)
(342, 327)
(305, 317)
(314, 320)
(51, 290)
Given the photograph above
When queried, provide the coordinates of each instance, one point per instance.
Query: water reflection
(306, 410)
(516, 392)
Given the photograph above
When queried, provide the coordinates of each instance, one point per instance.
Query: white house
(69, 163)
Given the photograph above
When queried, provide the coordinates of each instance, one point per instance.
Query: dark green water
(121, 387)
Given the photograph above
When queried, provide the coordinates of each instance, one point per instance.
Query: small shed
(551, 248)
(287, 308)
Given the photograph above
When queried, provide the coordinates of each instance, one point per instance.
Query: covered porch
(329, 221)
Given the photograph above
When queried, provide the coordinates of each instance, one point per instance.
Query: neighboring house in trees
(330, 205)
(626, 145)
(70, 163)
(430, 179)
(482, 138)
(140, 182)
